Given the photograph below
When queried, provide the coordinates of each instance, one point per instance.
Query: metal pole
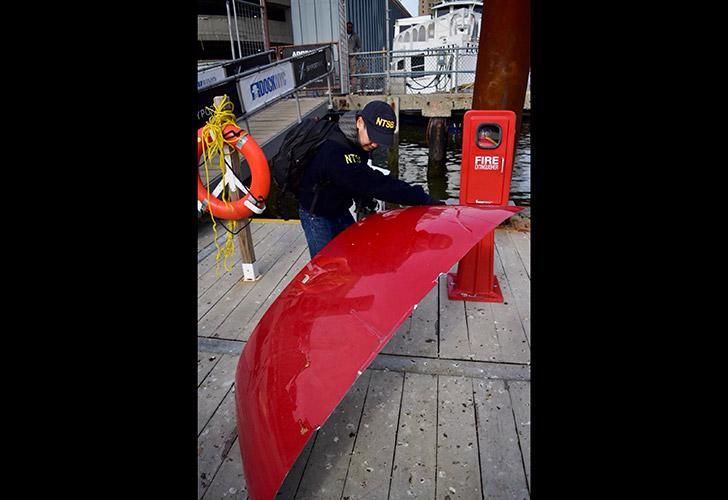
(230, 31)
(298, 106)
(266, 34)
(237, 33)
(388, 55)
(457, 66)
(328, 84)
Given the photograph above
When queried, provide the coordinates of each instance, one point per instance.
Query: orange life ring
(254, 199)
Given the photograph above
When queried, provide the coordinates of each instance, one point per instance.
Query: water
(440, 181)
(443, 182)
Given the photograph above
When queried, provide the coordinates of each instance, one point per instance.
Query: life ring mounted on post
(254, 200)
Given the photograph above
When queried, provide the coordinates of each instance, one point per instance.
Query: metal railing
(450, 69)
(301, 66)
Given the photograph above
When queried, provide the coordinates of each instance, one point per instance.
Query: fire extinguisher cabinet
(485, 179)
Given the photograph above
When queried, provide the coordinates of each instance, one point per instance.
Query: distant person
(354, 46)
(338, 174)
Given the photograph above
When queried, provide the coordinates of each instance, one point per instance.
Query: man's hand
(364, 207)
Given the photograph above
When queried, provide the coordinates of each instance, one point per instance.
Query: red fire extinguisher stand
(485, 179)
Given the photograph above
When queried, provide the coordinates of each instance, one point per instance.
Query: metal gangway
(269, 97)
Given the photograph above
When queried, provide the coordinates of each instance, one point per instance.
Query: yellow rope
(222, 115)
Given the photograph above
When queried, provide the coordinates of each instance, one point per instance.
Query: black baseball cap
(380, 121)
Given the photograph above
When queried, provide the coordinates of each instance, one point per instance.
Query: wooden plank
(209, 272)
(325, 472)
(500, 456)
(301, 261)
(206, 267)
(522, 241)
(413, 474)
(514, 345)
(495, 329)
(458, 474)
(453, 329)
(293, 478)
(239, 319)
(214, 442)
(204, 233)
(520, 284)
(484, 343)
(229, 482)
(238, 292)
(214, 389)
(218, 287)
(460, 367)
(417, 336)
(371, 463)
(521, 402)
(212, 248)
(205, 363)
(283, 114)
(238, 316)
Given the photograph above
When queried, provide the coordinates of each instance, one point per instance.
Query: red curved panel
(332, 319)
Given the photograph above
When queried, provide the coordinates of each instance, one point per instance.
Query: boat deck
(443, 412)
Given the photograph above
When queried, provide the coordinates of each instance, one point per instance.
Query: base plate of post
(250, 272)
(455, 293)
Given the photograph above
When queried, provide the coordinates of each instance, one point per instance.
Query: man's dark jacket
(340, 170)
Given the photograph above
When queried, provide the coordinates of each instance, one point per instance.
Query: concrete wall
(215, 27)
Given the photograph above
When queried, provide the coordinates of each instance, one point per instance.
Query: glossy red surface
(332, 319)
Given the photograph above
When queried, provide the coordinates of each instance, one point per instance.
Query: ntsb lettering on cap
(384, 123)
(487, 162)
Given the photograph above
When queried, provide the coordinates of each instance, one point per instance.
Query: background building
(369, 18)
(426, 5)
(318, 21)
(324, 21)
(214, 32)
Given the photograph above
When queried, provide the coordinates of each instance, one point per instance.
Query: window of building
(276, 13)
(211, 8)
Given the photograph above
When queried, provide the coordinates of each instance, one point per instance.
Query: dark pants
(320, 230)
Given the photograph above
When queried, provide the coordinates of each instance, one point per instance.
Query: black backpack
(298, 148)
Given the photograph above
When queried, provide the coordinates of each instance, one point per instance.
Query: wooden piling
(245, 238)
(437, 138)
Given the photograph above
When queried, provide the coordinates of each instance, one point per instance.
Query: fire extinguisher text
(487, 162)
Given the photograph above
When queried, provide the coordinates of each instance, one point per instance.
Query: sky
(410, 5)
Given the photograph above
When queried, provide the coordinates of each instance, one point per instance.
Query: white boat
(437, 45)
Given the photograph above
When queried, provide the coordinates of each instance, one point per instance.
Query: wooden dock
(443, 412)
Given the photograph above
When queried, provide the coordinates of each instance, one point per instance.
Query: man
(338, 173)
(354, 46)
